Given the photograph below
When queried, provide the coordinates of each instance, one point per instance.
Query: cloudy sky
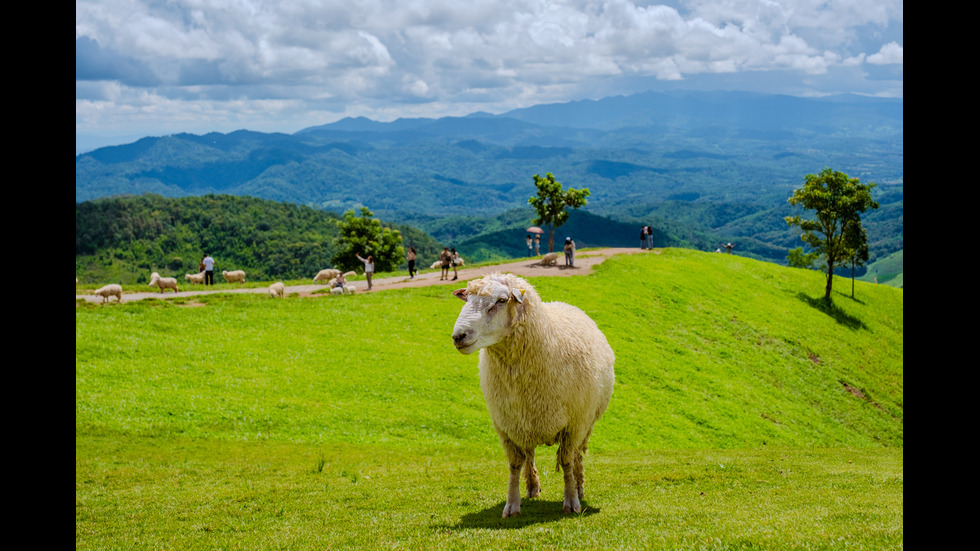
(156, 67)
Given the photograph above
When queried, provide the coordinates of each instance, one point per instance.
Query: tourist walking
(411, 263)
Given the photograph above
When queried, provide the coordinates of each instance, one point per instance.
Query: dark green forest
(124, 239)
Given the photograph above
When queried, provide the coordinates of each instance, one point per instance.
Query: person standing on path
(368, 268)
(537, 244)
(208, 263)
(444, 257)
(411, 263)
(454, 260)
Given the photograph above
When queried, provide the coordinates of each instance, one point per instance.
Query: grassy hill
(888, 271)
(746, 413)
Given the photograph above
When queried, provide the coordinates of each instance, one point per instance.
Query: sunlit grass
(746, 413)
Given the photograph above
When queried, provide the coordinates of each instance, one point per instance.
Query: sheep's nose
(459, 337)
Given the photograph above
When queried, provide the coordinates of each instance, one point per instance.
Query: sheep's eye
(501, 300)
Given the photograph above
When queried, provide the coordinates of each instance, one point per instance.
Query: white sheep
(163, 282)
(549, 259)
(233, 276)
(438, 264)
(348, 289)
(326, 275)
(546, 371)
(111, 290)
(277, 289)
(195, 278)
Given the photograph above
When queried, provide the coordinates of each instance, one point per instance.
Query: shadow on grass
(533, 511)
(828, 307)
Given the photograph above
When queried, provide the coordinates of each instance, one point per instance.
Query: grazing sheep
(195, 278)
(233, 276)
(347, 289)
(325, 275)
(111, 290)
(438, 264)
(550, 259)
(163, 282)
(333, 282)
(546, 371)
(277, 289)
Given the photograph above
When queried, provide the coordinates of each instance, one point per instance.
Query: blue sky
(157, 67)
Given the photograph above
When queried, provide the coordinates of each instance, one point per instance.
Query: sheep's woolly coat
(163, 282)
(233, 276)
(326, 275)
(549, 259)
(277, 289)
(110, 290)
(548, 378)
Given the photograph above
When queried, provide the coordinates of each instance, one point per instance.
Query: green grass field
(747, 413)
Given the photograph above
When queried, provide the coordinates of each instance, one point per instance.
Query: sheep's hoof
(533, 493)
(511, 511)
(572, 506)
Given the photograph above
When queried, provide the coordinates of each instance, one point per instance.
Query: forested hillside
(124, 239)
(701, 167)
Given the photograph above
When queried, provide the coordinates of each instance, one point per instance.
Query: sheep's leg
(570, 460)
(515, 457)
(579, 469)
(531, 476)
(572, 502)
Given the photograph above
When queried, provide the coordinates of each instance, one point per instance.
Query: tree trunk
(852, 280)
(551, 238)
(830, 279)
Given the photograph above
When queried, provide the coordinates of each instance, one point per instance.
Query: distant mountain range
(722, 163)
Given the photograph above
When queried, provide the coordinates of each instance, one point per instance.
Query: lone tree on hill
(365, 235)
(838, 201)
(551, 202)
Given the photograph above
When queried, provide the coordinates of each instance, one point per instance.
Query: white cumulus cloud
(393, 58)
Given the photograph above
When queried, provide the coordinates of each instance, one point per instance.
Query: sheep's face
(487, 316)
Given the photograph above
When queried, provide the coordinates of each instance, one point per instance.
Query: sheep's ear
(461, 294)
(518, 295)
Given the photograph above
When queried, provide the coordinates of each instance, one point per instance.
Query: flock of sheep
(276, 290)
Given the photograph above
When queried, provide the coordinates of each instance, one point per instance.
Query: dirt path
(529, 267)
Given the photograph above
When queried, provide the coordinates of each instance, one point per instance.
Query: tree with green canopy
(364, 235)
(551, 202)
(796, 258)
(838, 202)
